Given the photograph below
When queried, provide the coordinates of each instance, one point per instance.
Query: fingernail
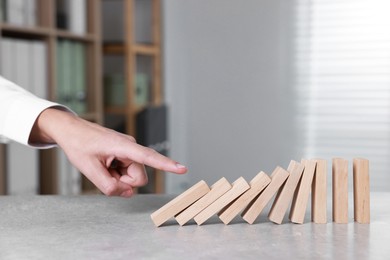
(178, 165)
(127, 194)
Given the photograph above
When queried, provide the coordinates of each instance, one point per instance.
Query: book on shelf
(2, 16)
(116, 122)
(7, 58)
(23, 62)
(112, 17)
(69, 178)
(151, 128)
(63, 72)
(61, 16)
(142, 89)
(71, 15)
(77, 12)
(71, 75)
(14, 12)
(39, 69)
(114, 89)
(22, 169)
(143, 21)
(79, 80)
(30, 13)
(19, 12)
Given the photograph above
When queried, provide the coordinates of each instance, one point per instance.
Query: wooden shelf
(47, 32)
(76, 37)
(122, 110)
(120, 48)
(93, 117)
(16, 30)
(129, 50)
(7, 29)
(119, 110)
(146, 49)
(113, 48)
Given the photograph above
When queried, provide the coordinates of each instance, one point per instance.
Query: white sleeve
(19, 110)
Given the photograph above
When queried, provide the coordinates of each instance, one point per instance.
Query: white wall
(227, 84)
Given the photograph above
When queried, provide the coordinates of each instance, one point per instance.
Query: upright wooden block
(285, 195)
(239, 187)
(257, 184)
(319, 193)
(340, 190)
(301, 196)
(217, 190)
(254, 209)
(361, 190)
(179, 203)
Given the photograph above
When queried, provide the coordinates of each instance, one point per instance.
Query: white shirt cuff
(21, 117)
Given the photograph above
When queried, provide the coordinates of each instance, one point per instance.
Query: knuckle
(132, 139)
(124, 137)
(148, 154)
(109, 189)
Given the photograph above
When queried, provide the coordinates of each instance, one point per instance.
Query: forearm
(51, 126)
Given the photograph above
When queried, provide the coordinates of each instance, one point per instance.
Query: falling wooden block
(301, 196)
(361, 190)
(179, 203)
(217, 190)
(254, 209)
(257, 184)
(285, 195)
(340, 190)
(319, 194)
(239, 187)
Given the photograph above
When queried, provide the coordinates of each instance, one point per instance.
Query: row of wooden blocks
(293, 186)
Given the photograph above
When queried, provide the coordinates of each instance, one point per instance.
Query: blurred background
(226, 87)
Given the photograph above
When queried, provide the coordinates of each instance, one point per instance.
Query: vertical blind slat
(342, 62)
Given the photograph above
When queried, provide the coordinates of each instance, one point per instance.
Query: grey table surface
(99, 227)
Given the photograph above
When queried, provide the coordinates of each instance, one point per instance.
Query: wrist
(49, 124)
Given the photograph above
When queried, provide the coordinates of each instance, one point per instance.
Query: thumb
(107, 183)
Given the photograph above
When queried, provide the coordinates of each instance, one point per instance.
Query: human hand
(114, 162)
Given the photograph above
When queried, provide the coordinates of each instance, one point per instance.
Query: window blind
(342, 81)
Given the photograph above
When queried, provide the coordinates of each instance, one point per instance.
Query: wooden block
(179, 203)
(319, 193)
(257, 184)
(340, 190)
(239, 187)
(217, 190)
(301, 196)
(285, 194)
(361, 190)
(254, 209)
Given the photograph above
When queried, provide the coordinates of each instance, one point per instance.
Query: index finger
(150, 157)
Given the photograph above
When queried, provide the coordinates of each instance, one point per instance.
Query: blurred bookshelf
(53, 49)
(131, 32)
